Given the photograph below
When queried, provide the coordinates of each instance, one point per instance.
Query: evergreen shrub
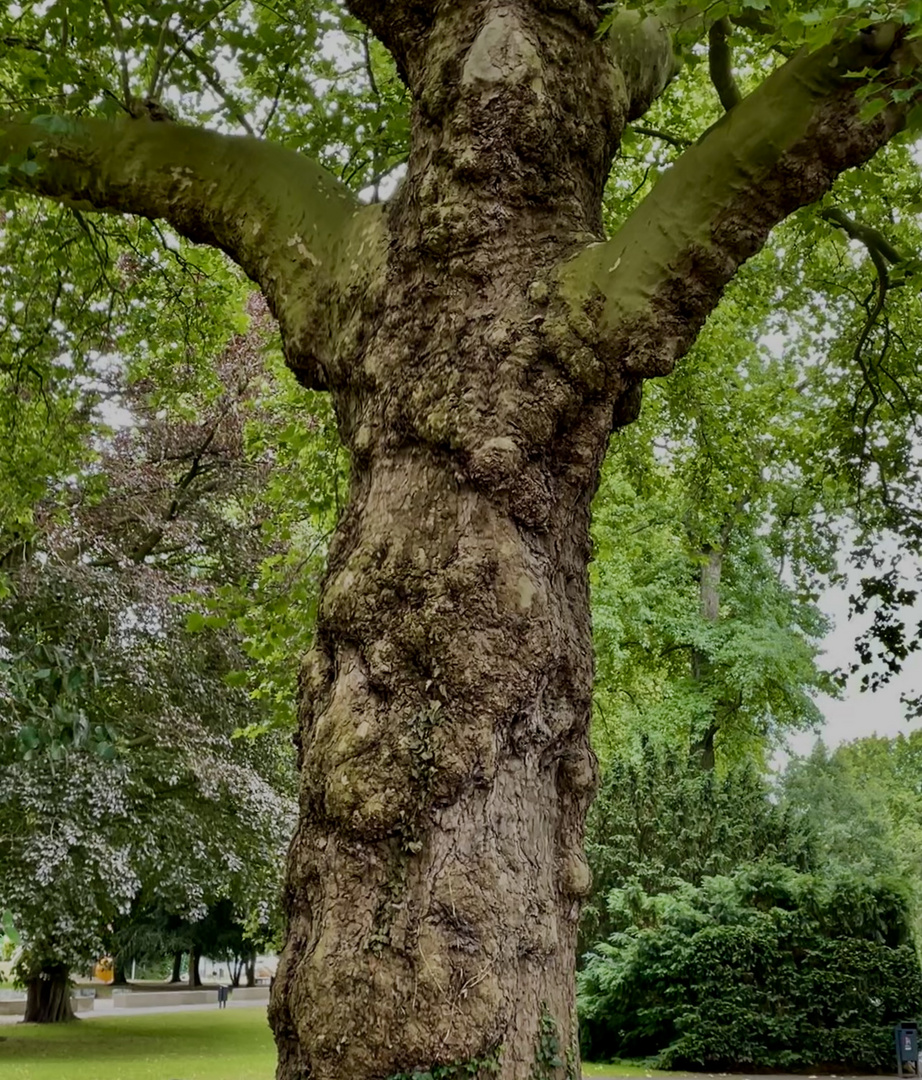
(765, 968)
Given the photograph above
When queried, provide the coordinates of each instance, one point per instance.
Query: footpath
(105, 1007)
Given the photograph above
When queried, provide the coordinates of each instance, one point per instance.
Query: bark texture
(176, 970)
(435, 880)
(48, 997)
(480, 339)
(436, 876)
(195, 978)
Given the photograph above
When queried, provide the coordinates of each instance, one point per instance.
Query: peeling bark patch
(501, 53)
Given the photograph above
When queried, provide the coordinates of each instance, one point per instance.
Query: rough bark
(435, 879)
(48, 997)
(119, 972)
(480, 343)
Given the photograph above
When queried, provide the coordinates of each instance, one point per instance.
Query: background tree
(123, 782)
(765, 968)
(659, 822)
(480, 338)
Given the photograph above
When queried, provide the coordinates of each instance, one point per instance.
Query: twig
(123, 59)
(720, 63)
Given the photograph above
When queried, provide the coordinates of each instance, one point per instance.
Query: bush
(767, 968)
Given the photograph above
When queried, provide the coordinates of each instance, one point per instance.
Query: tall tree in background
(121, 782)
(480, 339)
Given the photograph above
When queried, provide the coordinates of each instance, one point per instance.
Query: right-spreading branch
(652, 285)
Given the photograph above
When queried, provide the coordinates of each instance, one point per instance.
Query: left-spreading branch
(279, 215)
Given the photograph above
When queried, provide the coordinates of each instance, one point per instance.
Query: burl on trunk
(435, 878)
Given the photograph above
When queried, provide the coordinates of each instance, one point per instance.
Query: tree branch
(401, 25)
(214, 81)
(280, 216)
(874, 240)
(655, 282)
(654, 133)
(641, 48)
(123, 59)
(720, 63)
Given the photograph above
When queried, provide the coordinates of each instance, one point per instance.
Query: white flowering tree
(123, 784)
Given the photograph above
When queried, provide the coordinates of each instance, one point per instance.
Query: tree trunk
(119, 971)
(435, 878)
(48, 997)
(195, 979)
(176, 972)
(436, 874)
(251, 969)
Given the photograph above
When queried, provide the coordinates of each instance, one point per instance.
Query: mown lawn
(229, 1044)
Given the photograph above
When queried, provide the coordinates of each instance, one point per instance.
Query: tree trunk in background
(195, 978)
(119, 972)
(48, 997)
(251, 969)
(176, 973)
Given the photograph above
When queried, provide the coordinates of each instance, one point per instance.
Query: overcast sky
(859, 714)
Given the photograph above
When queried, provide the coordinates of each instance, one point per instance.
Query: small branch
(158, 60)
(366, 45)
(213, 80)
(171, 59)
(654, 133)
(879, 247)
(720, 64)
(123, 59)
(275, 101)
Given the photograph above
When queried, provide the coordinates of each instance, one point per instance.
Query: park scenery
(460, 538)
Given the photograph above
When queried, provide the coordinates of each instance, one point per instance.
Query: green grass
(622, 1068)
(229, 1044)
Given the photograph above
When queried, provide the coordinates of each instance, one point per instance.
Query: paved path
(104, 1007)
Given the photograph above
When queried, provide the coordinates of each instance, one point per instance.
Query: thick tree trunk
(176, 972)
(119, 972)
(48, 997)
(435, 879)
(436, 875)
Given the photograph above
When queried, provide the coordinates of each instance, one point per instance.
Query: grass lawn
(621, 1069)
(230, 1044)
(227, 1044)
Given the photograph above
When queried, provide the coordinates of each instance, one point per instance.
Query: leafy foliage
(766, 968)
(660, 822)
(122, 784)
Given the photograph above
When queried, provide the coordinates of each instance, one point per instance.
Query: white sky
(858, 714)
